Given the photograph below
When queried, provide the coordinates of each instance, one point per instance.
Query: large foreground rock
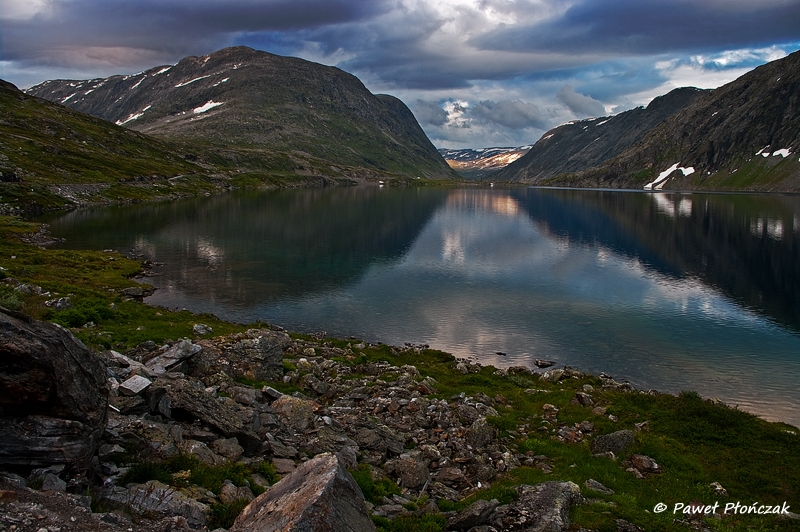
(542, 508)
(53, 394)
(319, 496)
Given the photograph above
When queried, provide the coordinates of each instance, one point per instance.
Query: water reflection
(669, 291)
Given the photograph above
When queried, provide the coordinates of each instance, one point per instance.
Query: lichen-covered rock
(53, 394)
(158, 498)
(616, 442)
(186, 398)
(319, 496)
(542, 508)
(476, 514)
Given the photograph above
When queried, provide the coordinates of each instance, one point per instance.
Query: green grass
(374, 490)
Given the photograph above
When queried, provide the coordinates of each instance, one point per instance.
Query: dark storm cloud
(429, 113)
(655, 26)
(583, 106)
(83, 31)
(513, 114)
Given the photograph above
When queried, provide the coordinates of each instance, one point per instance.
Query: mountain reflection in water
(669, 291)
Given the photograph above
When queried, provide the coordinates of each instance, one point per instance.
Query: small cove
(669, 291)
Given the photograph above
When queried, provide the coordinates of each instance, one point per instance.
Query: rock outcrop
(320, 495)
(53, 395)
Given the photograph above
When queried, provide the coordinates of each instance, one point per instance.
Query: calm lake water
(668, 291)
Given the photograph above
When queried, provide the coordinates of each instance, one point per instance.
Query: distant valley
(483, 162)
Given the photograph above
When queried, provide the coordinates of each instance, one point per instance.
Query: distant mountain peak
(478, 163)
(243, 99)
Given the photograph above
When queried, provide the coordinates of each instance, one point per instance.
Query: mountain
(246, 102)
(480, 163)
(583, 144)
(744, 135)
(51, 156)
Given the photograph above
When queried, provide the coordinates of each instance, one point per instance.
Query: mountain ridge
(240, 98)
(582, 144)
(743, 136)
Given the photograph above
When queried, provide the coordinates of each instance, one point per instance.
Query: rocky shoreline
(74, 422)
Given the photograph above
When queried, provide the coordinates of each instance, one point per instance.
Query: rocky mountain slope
(583, 144)
(247, 102)
(480, 163)
(51, 155)
(744, 135)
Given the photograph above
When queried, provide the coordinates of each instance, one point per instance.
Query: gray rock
(480, 434)
(228, 448)
(134, 386)
(592, 484)
(243, 395)
(553, 375)
(270, 393)
(133, 291)
(476, 514)
(190, 399)
(230, 493)
(201, 329)
(296, 413)
(542, 508)
(283, 466)
(61, 303)
(319, 496)
(201, 451)
(645, 464)
(411, 473)
(51, 482)
(616, 442)
(260, 356)
(625, 526)
(158, 498)
(172, 357)
(53, 394)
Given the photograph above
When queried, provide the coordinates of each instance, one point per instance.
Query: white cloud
(22, 9)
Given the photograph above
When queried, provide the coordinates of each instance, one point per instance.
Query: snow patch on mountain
(206, 107)
(132, 117)
(658, 183)
(192, 81)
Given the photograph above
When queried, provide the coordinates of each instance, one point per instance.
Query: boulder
(594, 485)
(53, 394)
(411, 473)
(173, 358)
(296, 413)
(134, 386)
(645, 465)
(320, 495)
(616, 442)
(542, 508)
(476, 514)
(259, 356)
(153, 497)
(186, 399)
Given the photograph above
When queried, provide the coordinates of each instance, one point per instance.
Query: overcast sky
(476, 73)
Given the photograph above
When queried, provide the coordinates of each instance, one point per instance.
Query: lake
(667, 291)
